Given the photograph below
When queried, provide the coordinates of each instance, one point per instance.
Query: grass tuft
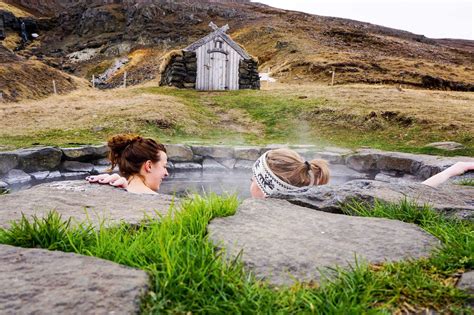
(466, 182)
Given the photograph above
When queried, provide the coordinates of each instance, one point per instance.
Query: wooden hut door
(218, 71)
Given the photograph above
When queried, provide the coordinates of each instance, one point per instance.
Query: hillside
(295, 47)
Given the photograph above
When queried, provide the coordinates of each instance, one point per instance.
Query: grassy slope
(349, 116)
(187, 274)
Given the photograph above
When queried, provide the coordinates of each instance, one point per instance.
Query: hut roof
(219, 32)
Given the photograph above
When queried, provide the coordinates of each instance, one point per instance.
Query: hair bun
(118, 143)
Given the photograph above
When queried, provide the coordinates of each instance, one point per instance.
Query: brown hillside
(294, 46)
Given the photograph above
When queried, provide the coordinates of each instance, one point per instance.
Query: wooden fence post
(333, 75)
(125, 79)
(93, 81)
(54, 87)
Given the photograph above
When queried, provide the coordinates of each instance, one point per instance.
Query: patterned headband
(269, 183)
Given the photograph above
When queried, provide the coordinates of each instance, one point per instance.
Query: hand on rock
(113, 180)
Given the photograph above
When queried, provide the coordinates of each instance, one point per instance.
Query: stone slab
(179, 153)
(39, 159)
(85, 153)
(466, 282)
(38, 281)
(8, 161)
(282, 242)
(80, 200)
(16, 177)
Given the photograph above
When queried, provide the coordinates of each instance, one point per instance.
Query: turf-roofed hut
(214, 62)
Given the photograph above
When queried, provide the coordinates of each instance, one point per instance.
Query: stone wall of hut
(248, 74)
(181, 71)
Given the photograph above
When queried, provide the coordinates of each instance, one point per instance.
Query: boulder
(247, 153)
(16, 177)
(466, 282)
(39, 281)
(282, 242)
(447, 145)
(8, 161)
(179, 153)
(221, 152)
(449, 199)
(40, 175)
(39, 159)
(82, 201)
(75, 166)
(85, 153)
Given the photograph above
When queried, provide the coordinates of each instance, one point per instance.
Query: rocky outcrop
(284, 243)
(38, 281)
(83, 202)
(449, 199)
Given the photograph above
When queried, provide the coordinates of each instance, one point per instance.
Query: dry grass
(88, 108)
(13, 9)
(449, 110)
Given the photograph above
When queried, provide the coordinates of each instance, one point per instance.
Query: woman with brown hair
(141, 161)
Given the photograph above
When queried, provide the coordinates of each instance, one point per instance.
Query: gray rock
(3, 186)
(447, 145)
(179, 153)
(40, 175)
(448, 199)
(85, 153)
(16, 177)
(228, 163)
(282, 242)
(210, 165)
(8, 161)
(74, 175)
(74, 166)
(102, 162)
(244, 165)
(222, 152)
(39, 159)
(80, 200)
(187, 166)
(247, 153)
(363, 161)
(99, 169)
(54, 175)
(466, 282)
(38, 281)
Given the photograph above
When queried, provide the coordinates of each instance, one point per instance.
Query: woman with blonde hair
(141, 161)
(284, 171)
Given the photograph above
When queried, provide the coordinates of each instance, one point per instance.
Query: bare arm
(457, 169)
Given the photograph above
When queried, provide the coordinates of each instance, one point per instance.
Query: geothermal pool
(182, 182)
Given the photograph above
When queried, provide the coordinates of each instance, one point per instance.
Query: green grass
(188, 274)
(324, 121)
(285, 119)
(466, 182)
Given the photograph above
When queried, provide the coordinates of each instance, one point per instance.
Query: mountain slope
(293, 46)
